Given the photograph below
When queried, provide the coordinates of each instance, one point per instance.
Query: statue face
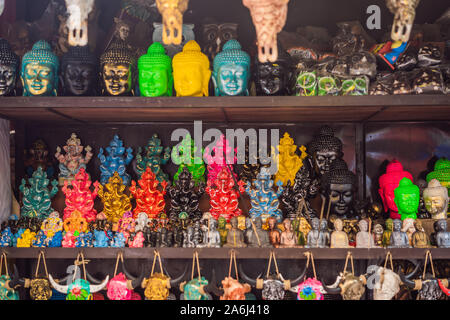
(124, 32)
(231, 79)
(78, 78)
(341, 197)
(435, 204)
(397, 223)
(324, 159)
(117, 78)
(189, 81)
(7, 79)
(153, 81)
(315, 224)
(270, 78)
(442, 224)
(362, 225)
(38, 79)
(408, 202)
(338, 224)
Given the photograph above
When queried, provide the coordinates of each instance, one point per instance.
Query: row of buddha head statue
(122, 73)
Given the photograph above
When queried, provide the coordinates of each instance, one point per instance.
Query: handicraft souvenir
(339, 238)
(419, 238)
(8, 283)
(185, 155)
(224, 158)
(406, 197)
(173, 49)
(115, 161)
(211, 237)
(288, 161)
(234, 236)
(436, 199)
(37, 156)
(37, 197)
(232, 289)
(115, 201)
(404, 14)
(79, 72)
(39, 286)
(441, 173)
(197, 288)
(274, 232)
(191, 72)
(398, 239)
(387, 282)
(121, 287)
(9, 68)
(442, 235)
(172, 17)
(215, 35)
(364, 238)
(155, 156)
(256, 235)
(318, 237)
(311, 288)
(288, 238)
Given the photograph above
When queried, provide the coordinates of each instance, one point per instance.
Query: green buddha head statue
(118, 70)
(407, 197)
(231, 70)
(9, 65)
(441, 173)
(155, 72)
(39, 72)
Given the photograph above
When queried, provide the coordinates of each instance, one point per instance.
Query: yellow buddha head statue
(191, 71)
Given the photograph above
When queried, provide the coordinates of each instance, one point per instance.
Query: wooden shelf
(227, 109)
(223, 253)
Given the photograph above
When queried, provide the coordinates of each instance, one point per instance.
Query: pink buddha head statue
(388, 183)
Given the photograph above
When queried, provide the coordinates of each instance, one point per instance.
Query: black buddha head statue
(324, 149)
(79, 72)
(9, 65)
(338, 185)
(274, 78)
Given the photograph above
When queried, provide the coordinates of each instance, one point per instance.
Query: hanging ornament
(172, 15)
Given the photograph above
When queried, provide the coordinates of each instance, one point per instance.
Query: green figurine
(153, 158)
(195, 165)
(231, 70)
(407, 197)
(441, 173)
(155, 72)
(37, 197)
(39, 72)
(223, 231)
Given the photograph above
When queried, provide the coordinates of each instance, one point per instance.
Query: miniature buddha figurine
(388, 183)
(185, 197)
(407, 196)
(118, 70)
(436, 199)
(313, 238)
(185, 155)
(155, 72)
(257, 236)
(149, 195)
(231, 70)
(263, 198)
(155, 156)
(274, 232)
(79, 72)
(339, 185)
(378, 235)
(37, 197)
(389, 223)
(223, 196)
(188, 237)
(420, 238)
(223, 231)
(115, 161)
(39, 72)
(115, 202)
(288, 161)
(399, 239)
(211, 237)
(275, 78)
(442, 235)
(235, 236)
(303, 230)
(73, 160)
(223, 155)
(409, 228)
(191, 72)
(9, 67)
(324, 149)
(364, 239)
(288, 238)
(339, 238)
(37, 156)
(441, 173)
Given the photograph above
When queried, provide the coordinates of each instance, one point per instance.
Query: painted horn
(92, 279)
(98, 287)
(443, 287)
(417, 266)
(58, 287)
(136, 282)
(15, 279)
(246, 278)
(334, 288)
(212, 285)
(299, 279)
(175, 282)
(409, 283)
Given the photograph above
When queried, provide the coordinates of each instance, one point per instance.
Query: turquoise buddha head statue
(155, 72)
(39, 72)
(231, 70)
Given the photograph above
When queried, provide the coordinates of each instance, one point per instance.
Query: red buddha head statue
(388, 183)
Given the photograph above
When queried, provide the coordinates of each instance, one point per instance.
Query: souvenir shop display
(116, 161)
(155, 155)
(9, 68)
(79, 72)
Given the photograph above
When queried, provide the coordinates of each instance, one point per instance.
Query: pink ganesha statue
(216, 163)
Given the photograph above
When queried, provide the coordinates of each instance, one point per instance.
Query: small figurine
(436, 199)
(118, 70)
(263, 198)
(409, 228)
(79, 72)
(274, 232)
(399, 239)
(388, 183)
(364, 239)
(389, 223)
(420, 238)
(257, 236)
(75, 223)
(37, 197)
(223, 155)
(37, 156)
(211, 238)
(149, 198)
(378, 235)
(223, 231)
(269, 17)
(73, 160)
(231, 70)
(288, 161)
(215, 35)
(118, 241)
(52, 224)
(191, 71)
(155, 72)
(141, 221)
(406, 197)
(126, 223)
(172, 17)
(153, 159)
(324, 149)
(339, 238)
(442, 235)
(303, 230)
(185, 155)
(235, 236)
(39, 241)
(288, 237)
(55, 241)
(39, 72)
(9, 68)
(101, 239)
(6, 238)
(314, 236)
(115, 161)
(137, 241)
(26, 239)
(115, 201)
(441, 173)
